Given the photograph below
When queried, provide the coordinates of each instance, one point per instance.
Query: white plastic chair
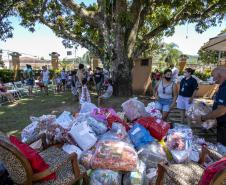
(21, 88)
(11, 88)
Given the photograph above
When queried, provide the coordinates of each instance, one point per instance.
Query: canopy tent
(217, 43)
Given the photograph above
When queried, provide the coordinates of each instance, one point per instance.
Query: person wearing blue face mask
(187, 92)
(166, 94)
(219, 106)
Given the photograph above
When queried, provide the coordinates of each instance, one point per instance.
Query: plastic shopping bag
(114, 155)
(151, 154)
(87, 107)
(200, 109)
(157, 127)
(100, 114)
(134, 109)
(179, 142)
(137, 177)
(105, 177)
(65, 120)
(140, 136)
(83, 135)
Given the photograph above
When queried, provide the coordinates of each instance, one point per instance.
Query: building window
(144, 62)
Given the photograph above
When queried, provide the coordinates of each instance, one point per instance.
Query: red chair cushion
(36, 161)
(212, 170)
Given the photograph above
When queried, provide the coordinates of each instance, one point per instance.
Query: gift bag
(157, 127)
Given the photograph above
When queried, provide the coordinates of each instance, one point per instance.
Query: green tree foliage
(208, 57)
(169, 53)
(118, 31)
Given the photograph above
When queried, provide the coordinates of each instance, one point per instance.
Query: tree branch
(84, 42)
(90, 17)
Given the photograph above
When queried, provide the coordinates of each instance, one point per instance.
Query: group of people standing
(167, 95)
(82, 80)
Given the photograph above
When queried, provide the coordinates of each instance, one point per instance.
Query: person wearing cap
(219, 106)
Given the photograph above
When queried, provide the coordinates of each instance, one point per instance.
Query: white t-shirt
(108, 92)
(45, 76)
(175, 73)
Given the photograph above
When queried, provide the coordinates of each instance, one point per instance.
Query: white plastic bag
(133, 109)
(72, 149)
(83, 135)
(65, 120)
(87, 107)
(30, 131)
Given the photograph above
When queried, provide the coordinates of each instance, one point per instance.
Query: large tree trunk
(121, 65)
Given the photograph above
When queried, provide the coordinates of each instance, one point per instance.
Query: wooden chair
(176, 116)
(189, 173)
(64, 165)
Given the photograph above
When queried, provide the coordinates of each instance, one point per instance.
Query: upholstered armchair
(66, 167)
(189, 173)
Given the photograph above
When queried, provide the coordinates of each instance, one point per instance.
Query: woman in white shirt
(166, 94)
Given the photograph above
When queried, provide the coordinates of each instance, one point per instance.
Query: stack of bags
(118, 148)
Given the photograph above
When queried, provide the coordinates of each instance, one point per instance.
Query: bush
(7, 75)
(203, 76)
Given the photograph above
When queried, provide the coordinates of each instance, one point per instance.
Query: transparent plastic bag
(152, 111)
(97, 126)
(105, 177)
(87, 107)
(101, 114)
(114, 155)
(85, 158)
(134, 109)
(136, 177)
(200, 109)
(117, 132)
(151, 154)
(179, 142)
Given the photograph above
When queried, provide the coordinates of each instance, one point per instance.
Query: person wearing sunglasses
(166, 94)
(188, 90)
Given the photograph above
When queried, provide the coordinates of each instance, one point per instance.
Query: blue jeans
(164, 104)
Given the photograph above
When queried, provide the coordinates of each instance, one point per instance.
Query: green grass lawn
(14, 117)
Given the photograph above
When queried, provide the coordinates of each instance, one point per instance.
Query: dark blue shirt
(220, 99)
(187, 87)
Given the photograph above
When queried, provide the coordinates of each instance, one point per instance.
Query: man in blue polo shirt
(219, 106)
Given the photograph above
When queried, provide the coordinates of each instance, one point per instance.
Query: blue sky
(43, 41)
